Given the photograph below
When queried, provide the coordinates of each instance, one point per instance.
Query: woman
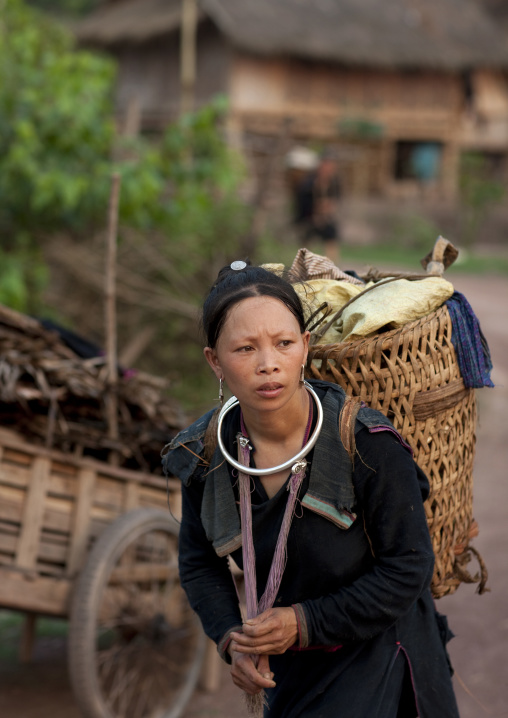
(336, 552)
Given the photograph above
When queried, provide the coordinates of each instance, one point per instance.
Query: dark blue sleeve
(205, 577)
(389, 491)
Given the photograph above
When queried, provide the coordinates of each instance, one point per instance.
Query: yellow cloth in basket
(387, 306)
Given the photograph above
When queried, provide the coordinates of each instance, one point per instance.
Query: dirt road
(480, 623)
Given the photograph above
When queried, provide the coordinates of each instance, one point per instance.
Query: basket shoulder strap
(347, 422)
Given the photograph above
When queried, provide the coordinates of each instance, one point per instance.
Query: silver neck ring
(281, 467)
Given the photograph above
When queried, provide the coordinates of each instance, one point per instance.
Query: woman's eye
(286, 342)
(245, 349)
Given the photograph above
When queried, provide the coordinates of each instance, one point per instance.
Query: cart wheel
(135, 645)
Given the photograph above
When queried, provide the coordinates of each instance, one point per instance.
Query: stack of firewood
(56, 398)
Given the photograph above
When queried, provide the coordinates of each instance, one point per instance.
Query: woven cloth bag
(412, 376)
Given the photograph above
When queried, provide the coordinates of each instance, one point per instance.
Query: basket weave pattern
(411, 375)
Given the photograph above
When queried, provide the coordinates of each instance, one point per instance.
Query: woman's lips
(269, 390)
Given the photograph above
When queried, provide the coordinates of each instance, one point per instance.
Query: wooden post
(26, 647)
(110, 310)
(132, 122)
(33, 512)
(188, 55)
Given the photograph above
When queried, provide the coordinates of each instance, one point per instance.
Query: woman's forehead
(260, 311)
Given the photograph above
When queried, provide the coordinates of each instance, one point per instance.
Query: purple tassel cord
(249, 556)
(280, 555)
(256, 703)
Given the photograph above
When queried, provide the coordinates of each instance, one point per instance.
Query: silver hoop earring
(221, 391)
(302, 374)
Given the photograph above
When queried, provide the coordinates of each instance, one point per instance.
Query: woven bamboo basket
(411, 375)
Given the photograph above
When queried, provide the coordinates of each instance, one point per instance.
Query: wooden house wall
(317, 97)
(418, 106)
(485, 123)
(149, 76)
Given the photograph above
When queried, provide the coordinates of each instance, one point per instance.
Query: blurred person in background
(316, 205)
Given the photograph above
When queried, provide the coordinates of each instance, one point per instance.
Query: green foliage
(185, 186)
(203, 207)
(58, 150)
(56, 127)
(56, 135)
(192, 228)
(360, 128)
(23, 276)
(180, 212)
(479, 191)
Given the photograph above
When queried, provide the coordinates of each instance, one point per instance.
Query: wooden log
(26, 554)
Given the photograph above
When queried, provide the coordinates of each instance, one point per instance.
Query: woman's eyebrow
(253, 337)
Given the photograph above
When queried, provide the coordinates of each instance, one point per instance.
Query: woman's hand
(247, 676)
(270, 633)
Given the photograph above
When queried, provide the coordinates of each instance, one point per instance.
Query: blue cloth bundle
(473, 354)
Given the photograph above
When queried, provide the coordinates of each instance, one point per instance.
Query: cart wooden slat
(53, 507)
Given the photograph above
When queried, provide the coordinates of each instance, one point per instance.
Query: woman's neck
(279, 426)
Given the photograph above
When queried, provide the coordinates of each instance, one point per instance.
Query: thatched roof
(444, 34)
(54, 397)
(130, 21)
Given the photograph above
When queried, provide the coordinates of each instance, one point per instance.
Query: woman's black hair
(233, 285)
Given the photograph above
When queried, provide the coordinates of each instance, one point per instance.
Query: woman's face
(259, 353)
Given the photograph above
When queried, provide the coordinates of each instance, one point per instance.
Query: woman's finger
(263, 667)
(247, 676)
(272, 648)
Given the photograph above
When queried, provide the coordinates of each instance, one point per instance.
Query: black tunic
(375, 643)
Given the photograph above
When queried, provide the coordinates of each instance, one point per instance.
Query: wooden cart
(96, 544)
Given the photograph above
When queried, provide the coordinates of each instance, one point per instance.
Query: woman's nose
(268, 363)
